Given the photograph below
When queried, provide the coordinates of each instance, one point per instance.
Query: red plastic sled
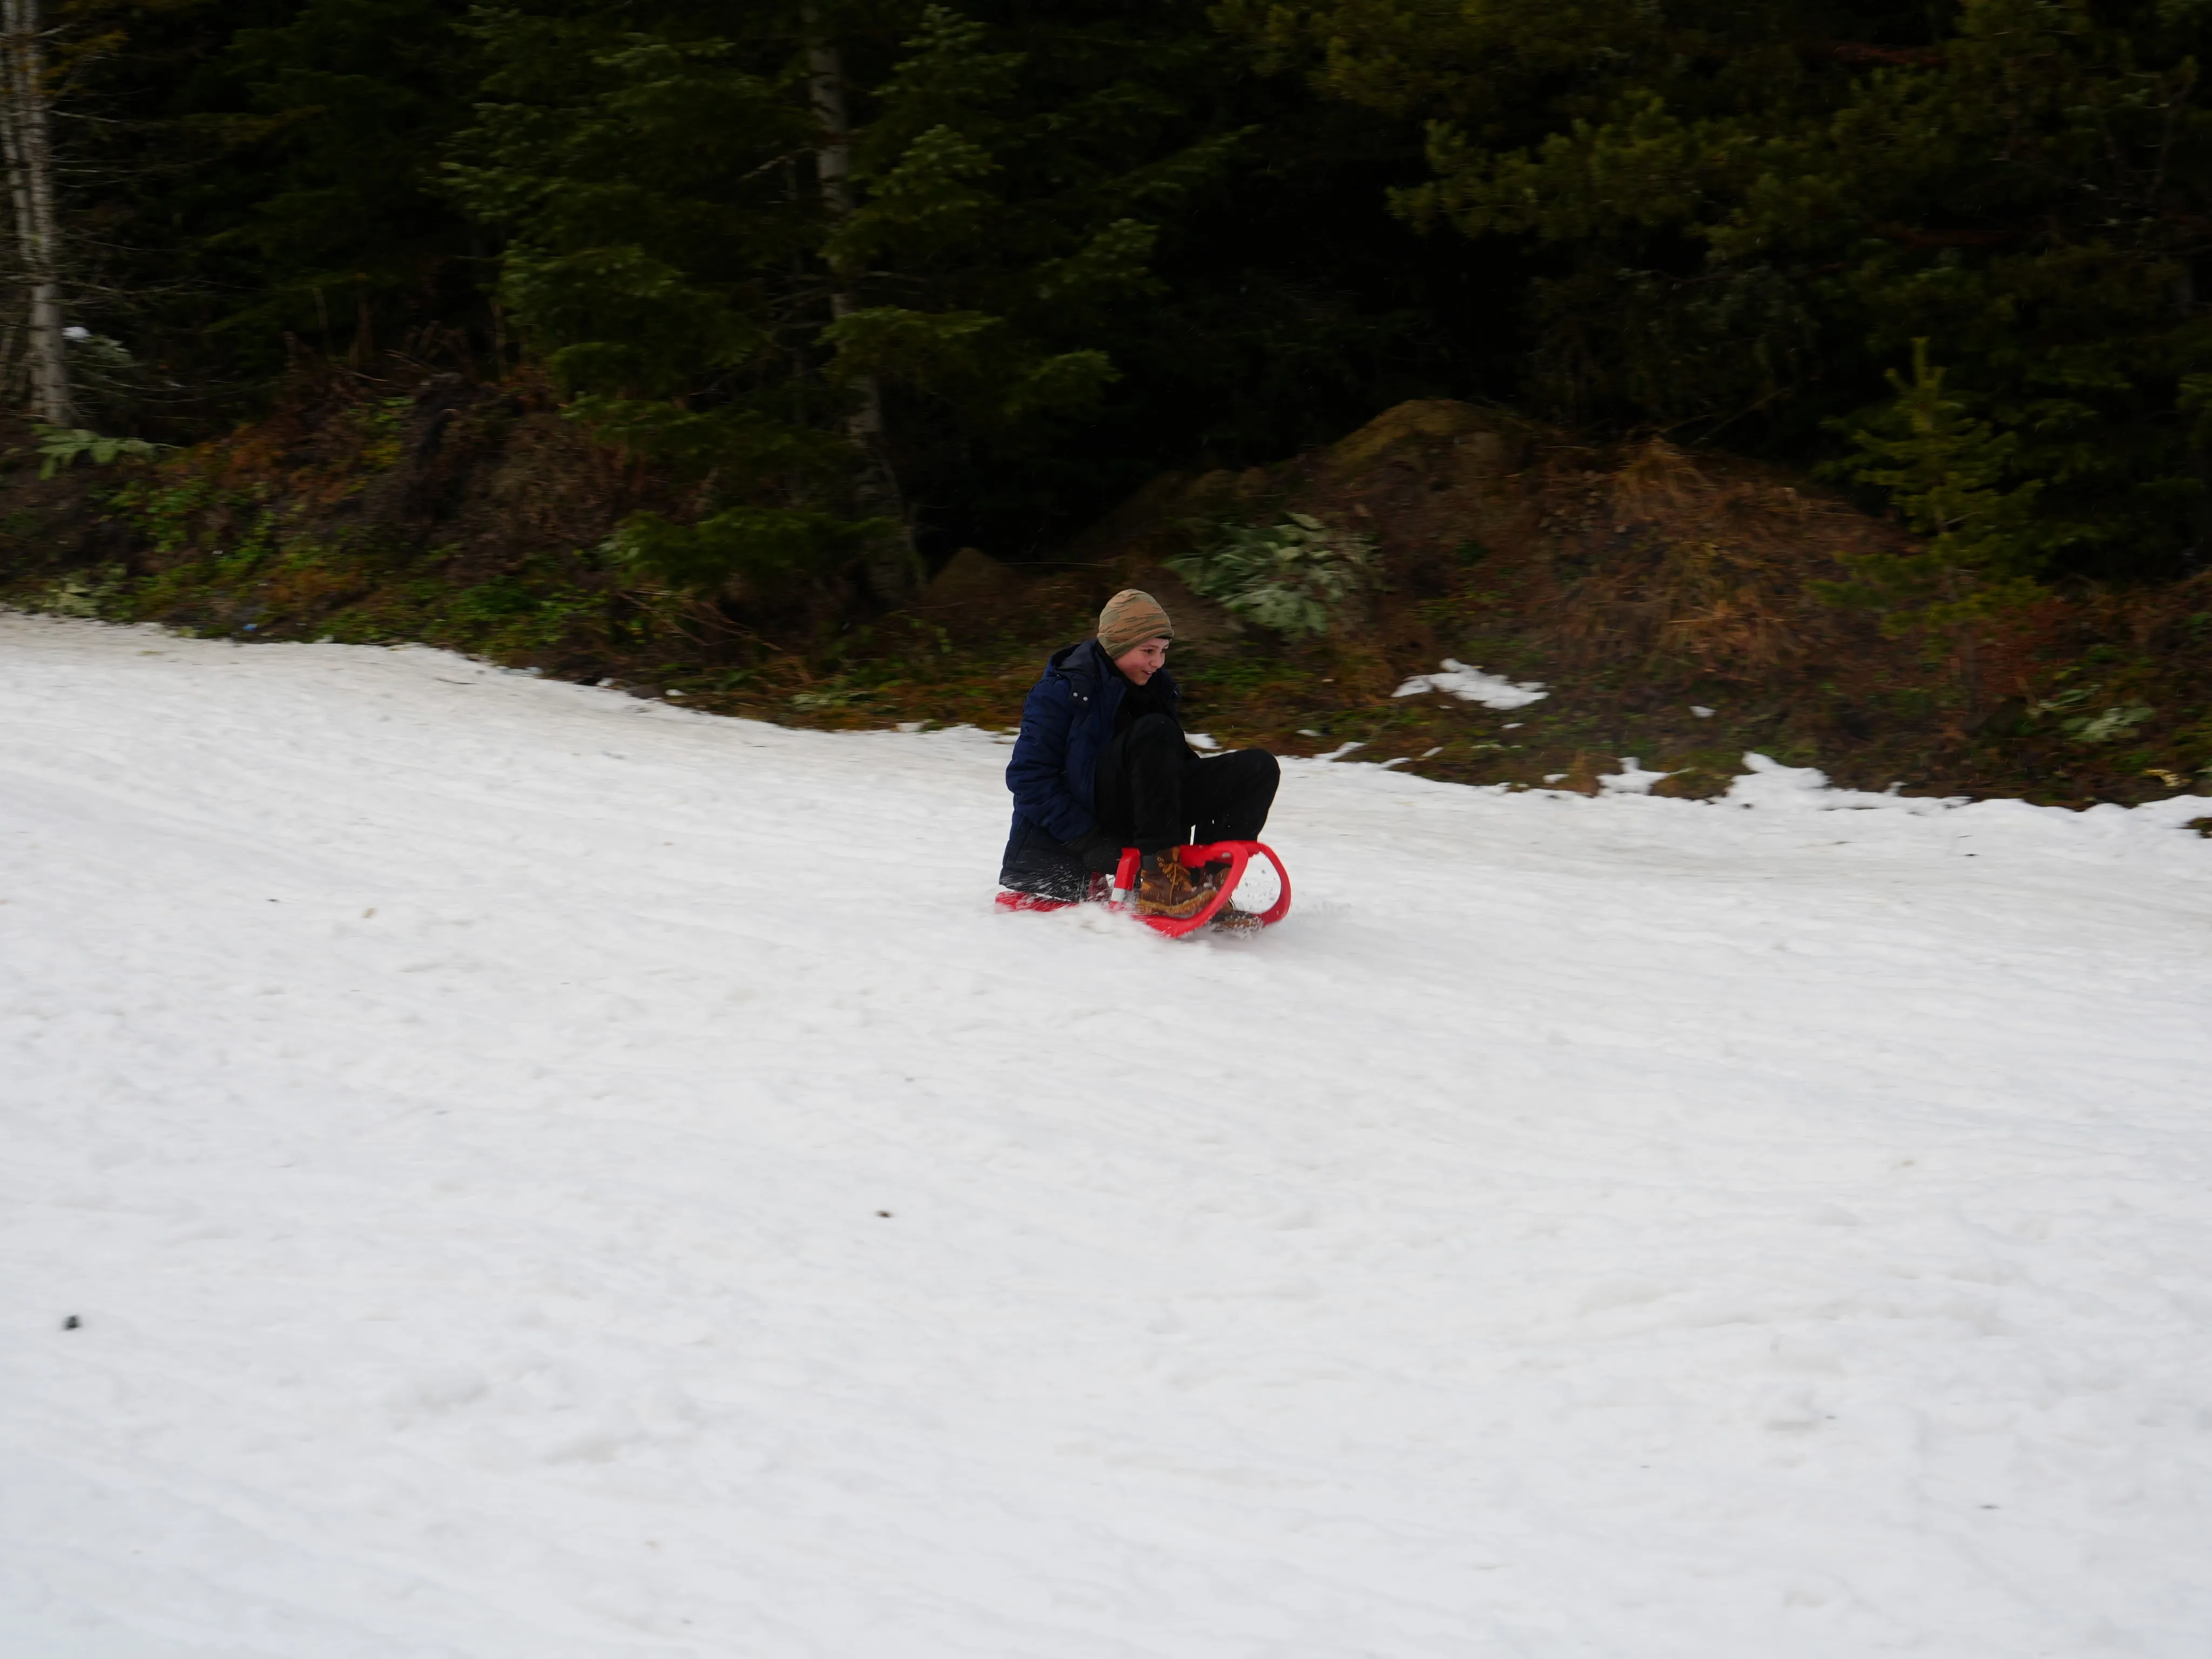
(1237, 854)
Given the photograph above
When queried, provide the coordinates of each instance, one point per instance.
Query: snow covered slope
(542, 1175)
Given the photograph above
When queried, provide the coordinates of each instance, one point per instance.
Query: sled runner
(1119, 895)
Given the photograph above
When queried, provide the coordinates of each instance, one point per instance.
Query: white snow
(460, 1108)
(1473, 685)
(1767, 782)
(1633, 780)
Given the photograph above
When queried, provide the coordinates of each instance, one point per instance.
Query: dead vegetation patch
(1668, 599)
(1687, 565)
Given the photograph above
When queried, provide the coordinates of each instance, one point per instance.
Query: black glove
(1099, 851)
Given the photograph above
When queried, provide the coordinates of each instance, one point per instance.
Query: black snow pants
(1154, 793)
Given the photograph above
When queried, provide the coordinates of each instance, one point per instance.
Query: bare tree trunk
(29, 157)
(893, 566)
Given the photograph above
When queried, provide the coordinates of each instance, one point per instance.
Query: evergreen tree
(1010, 203)
(1740, 209)
(349, 233)
(790, 261)
(1944, 471)
(646, 167)
(260, 177)
(1018, 170)
(1160, 257)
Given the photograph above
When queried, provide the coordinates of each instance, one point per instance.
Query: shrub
(61, 445)
(1293, 577)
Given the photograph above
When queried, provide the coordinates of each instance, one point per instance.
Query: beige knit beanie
(1130, 617)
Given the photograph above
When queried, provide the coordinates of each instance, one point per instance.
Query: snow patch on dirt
(1470, 684)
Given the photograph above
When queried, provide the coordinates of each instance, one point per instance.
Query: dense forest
(825, 292)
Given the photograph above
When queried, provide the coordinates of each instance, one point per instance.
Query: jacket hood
(1080, 659)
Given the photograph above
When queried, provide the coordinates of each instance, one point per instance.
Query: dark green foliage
(1085, 242)
(1088, 241)
(646, 169)
(990, 282)
(757, 544)
(349, 101)
(676, 262)
(1982, 543)
(257, 178)
(625, 157)
(1010, 209)
(1746, 211)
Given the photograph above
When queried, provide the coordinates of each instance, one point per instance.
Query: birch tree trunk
(24, 141)
(893, 566)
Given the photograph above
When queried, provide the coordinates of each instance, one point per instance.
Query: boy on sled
(1102, 763)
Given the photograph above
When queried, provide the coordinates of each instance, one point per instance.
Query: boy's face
(1140, 662)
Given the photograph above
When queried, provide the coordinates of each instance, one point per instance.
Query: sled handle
(1237, 854)
(1125, 875)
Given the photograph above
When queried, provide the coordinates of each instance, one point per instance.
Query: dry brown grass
(1692, 563)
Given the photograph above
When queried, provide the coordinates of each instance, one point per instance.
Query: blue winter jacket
(1067, 724)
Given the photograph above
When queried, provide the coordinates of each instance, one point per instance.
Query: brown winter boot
(1166, 888)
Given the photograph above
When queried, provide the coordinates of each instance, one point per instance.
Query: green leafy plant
(2114, 722)
(2091, 726)
(838, 693)
(167, 516)
(511, 613)
(1293, 577)
(748, 543)
(84, 592)
(62, 445)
